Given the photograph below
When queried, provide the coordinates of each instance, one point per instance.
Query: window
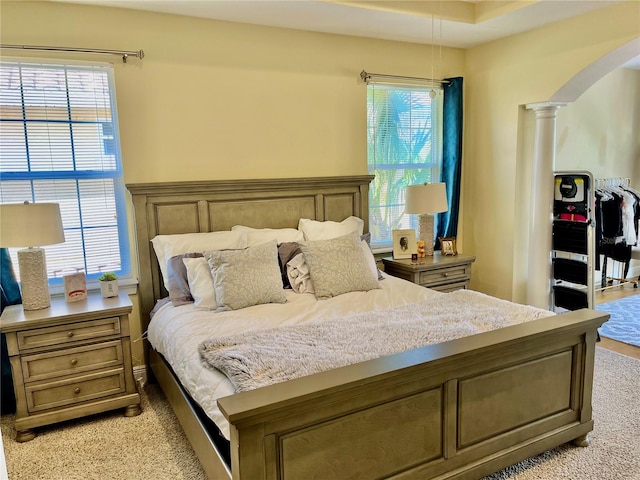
(59, 143)
(404, 147)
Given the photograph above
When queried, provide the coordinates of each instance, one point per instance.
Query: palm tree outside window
(404, 147)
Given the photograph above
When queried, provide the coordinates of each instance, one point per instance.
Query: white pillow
(167, 246)
(256, 236)
(200, 283)
(243, 278)
(315, 230)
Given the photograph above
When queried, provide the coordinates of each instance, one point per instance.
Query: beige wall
(600, 131)
(219, 100)
(502, 77)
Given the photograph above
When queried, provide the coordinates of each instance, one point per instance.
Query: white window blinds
(404, 147)
(59, 143)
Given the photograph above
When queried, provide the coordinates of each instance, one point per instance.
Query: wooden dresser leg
(582, 441)
(25, 435)
(132, 410)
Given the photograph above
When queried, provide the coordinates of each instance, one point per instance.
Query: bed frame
(461, 409)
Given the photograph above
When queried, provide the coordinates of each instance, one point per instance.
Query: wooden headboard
(207, 206)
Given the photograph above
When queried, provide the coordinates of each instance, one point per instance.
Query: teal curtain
(451, 156)
(10, 295)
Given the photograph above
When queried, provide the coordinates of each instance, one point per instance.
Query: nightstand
(70, 360)
(439, 272)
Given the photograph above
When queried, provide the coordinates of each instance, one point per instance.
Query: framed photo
(75, 287)
(448, 246)
(404, 243)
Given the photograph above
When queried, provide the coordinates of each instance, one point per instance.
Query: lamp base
(425, 232)
(33, 278)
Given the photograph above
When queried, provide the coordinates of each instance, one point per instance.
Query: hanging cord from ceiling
(432, 93)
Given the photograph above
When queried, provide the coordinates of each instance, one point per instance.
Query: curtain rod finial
(139, 54)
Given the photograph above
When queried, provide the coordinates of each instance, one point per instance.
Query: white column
(538, 291)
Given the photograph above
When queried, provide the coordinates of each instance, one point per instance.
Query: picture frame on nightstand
(404, 243)
(448, 246)
(75, 287)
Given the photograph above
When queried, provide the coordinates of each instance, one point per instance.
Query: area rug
(624, 324)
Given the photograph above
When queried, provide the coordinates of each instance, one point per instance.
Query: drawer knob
(76, 390)
(74, 362)
(445, 275)
(70, 334)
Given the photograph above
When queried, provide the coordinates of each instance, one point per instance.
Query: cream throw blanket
(260, 358)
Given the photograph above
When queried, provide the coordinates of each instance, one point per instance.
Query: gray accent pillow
(179, 292)
(338, 266)
(243, 278)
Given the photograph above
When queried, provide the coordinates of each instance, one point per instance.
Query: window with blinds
(59, 143)
(404, 147)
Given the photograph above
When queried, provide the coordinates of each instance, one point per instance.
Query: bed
(461, 408)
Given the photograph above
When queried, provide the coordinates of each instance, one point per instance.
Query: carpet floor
(624, 324)
(107, 446)
(153, 446)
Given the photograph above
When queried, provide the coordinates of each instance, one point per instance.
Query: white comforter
(176, 332)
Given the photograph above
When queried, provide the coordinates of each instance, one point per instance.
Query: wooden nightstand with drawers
(70, 360)
(439, 272)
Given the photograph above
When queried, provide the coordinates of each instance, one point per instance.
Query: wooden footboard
(460, 409)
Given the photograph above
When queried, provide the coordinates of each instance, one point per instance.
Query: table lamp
(425, 200)
(32, 225)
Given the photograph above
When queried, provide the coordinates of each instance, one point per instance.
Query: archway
(536, 164)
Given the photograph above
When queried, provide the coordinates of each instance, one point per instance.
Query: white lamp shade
(427, 198)
(30, 224)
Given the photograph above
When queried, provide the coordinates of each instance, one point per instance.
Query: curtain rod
(366, 76)
(123, 53)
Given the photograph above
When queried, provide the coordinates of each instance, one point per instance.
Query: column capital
(545, 109)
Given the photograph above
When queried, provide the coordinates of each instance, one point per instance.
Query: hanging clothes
(617, 215)
(628, 214)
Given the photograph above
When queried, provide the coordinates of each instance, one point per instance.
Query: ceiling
(450, 23)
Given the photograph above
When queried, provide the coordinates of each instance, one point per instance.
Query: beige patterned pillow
(338, 266)
(242, 278)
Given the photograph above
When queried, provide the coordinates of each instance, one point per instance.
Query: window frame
(382, 243)
(115, 174)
